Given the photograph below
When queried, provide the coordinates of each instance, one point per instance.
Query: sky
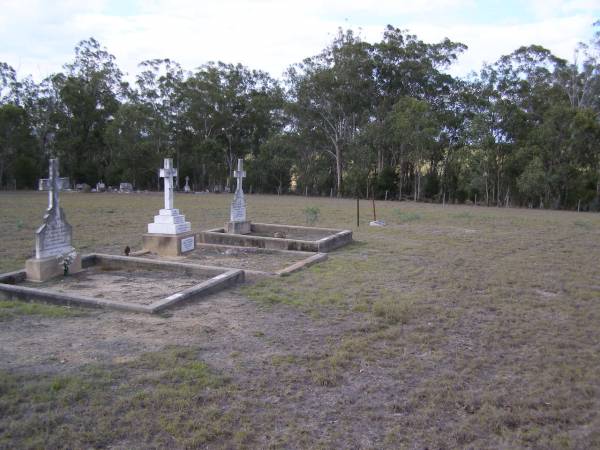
(37, 37)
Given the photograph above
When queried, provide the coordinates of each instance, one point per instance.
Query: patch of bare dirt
(128, 286)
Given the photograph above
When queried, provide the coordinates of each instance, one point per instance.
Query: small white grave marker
(169, 221)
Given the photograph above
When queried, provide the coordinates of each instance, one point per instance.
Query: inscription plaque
(187, 244)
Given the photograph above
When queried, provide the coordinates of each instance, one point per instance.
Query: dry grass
(451, 327)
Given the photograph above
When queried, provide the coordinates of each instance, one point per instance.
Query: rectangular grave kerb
(220, 278)
(322, 240)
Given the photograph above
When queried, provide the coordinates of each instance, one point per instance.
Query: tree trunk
(498, 199)
(400, 181)
(415, 186)
(338, 169)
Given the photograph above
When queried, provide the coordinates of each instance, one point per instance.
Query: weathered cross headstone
(53, 247)
(238, 223)
(186, 188)
(64, 183)
(169, 234)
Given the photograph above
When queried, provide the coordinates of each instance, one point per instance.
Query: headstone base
(238, 227)
(44, 269)
(169, 244)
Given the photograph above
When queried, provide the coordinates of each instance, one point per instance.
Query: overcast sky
(38, 36)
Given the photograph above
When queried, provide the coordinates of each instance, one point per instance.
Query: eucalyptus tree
(230, 112)
(407, 67)
(159, 93)
(88, 95)
(8, 83)
(414, 124)
(331, 96)
(17, 144)
(132, 149)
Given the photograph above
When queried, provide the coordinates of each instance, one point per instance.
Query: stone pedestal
(43, 269)
(238, 227)
(169, 244)
(169, 221)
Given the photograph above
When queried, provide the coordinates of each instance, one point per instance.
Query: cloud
(39, 36)
(487, 43)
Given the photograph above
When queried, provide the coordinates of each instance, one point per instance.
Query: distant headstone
(82, 187)
(186, 188)
(44, 184)
(53, 237)
(100, 186)
(125, 187)
(238, 223)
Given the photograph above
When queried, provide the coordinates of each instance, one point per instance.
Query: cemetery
(299, 225)
(425, 320)
(149, 281)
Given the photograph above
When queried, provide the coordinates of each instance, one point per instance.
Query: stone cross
(53, 237)
(54, 188)
(168, 173)
(239, 174)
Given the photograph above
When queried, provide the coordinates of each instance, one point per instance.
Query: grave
(100, 186)
(124, 283)
(169, 234)
(186, 188)
(281, 237)
(237, 216)
(254, 261)
(125, 187)
(109, 281)
(239, 231)
(54, 254)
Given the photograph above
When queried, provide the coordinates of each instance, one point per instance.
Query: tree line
(381, 119)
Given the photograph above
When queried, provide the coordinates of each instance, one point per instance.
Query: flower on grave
(67, 259)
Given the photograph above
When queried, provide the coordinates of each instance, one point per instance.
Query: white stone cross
(53, 192)
(239, 174)
(168, 173)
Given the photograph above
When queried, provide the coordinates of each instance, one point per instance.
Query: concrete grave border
(311, 258)
(335, 239)
(223, 278)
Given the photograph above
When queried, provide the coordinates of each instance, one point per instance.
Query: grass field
(451, 327)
